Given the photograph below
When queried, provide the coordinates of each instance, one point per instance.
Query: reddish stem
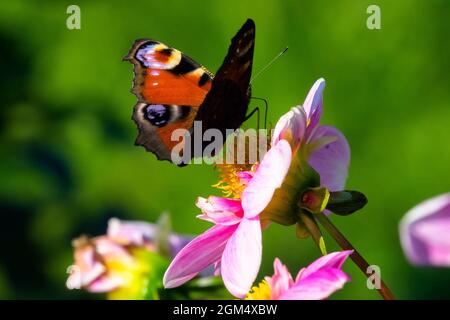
(362, 264)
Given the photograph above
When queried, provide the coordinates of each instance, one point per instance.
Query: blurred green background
(68, 161)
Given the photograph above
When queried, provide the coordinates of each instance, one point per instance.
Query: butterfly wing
(225, 105)
(170, 87)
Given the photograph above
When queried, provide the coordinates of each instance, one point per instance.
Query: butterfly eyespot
(166, 52)
(157, 56)
(157, 114)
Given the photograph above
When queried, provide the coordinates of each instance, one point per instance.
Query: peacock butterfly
(174, 91)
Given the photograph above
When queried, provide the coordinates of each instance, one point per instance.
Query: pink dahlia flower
(315, 282)
(425, 232)
(298, 137)
(233, 246)
(115, 260)
(269, 191)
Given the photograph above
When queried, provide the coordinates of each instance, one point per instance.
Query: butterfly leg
(266, 108)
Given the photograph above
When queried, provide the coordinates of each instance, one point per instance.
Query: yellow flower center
(135, 274)
(229, 182)
(260, 292)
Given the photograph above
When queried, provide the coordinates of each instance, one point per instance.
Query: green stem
(355, 256)
(314, 230)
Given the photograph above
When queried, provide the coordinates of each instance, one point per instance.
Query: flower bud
(346, 202)
(315, 199)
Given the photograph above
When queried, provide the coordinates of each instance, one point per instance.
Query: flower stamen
(230, 183)
(259, 292)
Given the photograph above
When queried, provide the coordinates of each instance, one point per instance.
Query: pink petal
(281, 281)
(79, 278)
(242, 257)
(291, 127)
(219, 210)
(268, 177)
(245, 176)
(87, 266)
(91, 260)
(333, 260)
(204, 250)
(131, 232)
(436, 234)
(217, 268)
(424, 232)
(313, 104)
(109, 249)
(137, 233)
(332, 160)
(106, 283)
(317, 286)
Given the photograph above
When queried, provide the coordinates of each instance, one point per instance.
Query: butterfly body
(173, 91)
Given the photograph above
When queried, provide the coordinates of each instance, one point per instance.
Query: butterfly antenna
(269, 64)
